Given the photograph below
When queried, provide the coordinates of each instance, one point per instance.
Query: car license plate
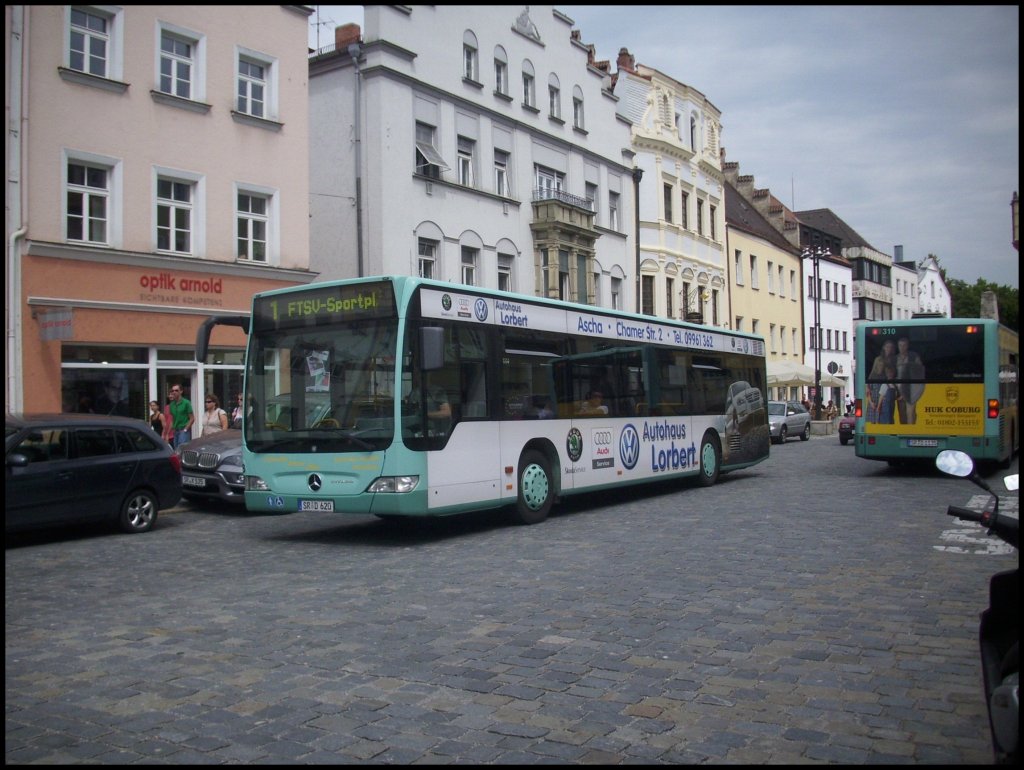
(193, 481)
(317, 505)
(922, 442)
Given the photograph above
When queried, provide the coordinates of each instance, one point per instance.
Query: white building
(470, 144)
(676, 134)
(932, 293)
(904, 289)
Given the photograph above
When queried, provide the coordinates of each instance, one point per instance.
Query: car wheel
(710, 460)
(536, 488)
(807, 432)
(138, 511)
(782, 434)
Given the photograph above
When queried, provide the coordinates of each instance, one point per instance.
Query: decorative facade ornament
(525, 26)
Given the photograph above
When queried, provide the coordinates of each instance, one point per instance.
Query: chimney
(989, 305)
(626, 61)
(345, 35)
(897, 253)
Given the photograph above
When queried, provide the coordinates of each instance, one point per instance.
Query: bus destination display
(329, 304)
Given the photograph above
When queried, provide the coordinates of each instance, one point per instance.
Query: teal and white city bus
(402, 396)
(928, 384)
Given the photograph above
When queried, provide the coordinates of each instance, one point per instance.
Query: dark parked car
(788, 418)
(847, 429)
(66, 468)
(211, 467)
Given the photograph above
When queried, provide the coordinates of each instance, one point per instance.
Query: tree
(967, 299)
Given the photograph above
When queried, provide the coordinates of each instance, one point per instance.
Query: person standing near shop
(215, 419)
(182, 417)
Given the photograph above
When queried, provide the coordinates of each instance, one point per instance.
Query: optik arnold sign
(177, 289)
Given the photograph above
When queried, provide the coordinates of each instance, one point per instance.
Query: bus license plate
(326, 506)
(922, 442)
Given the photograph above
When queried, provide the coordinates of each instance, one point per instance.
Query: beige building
(765, 282)
(151, 158)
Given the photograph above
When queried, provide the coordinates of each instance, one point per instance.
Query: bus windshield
(325, 388)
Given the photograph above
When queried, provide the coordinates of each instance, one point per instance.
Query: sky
(903, 120)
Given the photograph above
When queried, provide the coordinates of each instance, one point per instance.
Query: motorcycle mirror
(955, 463)
(1011, 482)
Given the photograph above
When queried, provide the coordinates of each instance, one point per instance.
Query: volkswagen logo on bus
(480, 308)
(629, 447)
(315, 482)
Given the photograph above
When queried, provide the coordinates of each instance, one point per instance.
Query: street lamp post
(815, 255)
(638, 174)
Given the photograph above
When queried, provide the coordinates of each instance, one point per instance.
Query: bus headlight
(394, 484)
(256, 484)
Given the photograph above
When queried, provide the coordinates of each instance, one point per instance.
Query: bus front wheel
(535, 489)
(710, 460)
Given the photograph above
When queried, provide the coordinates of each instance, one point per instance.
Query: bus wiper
(347, 435)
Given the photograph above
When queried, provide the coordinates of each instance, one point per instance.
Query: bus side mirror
(431, 347)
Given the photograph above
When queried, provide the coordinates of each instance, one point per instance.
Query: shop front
(110, 337)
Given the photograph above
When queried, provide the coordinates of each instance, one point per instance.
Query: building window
(252, 87)
(469, 265)
(792, 284)
(177, 65)
(88, 202)
(613, 211)
(739, 323)
(253, 219)
(500, 71)
(427, 259)
(771, 277)
(737, 263)
(174, 215)
(470, 66)
(753, 272)
(700, 217)
(577, 109)
(90, 39)
(667, 192)
(616, 293)
(505, 262)
(554, 99)
(684, 211)
(782, 339)
(647, 294)
(714, 306)
(465, 163)
(782, 284)
(428, 160)
(501, 185)
(711, 221)
(771, 336)
(670, 304)
(548, 182)
(591, 196)
(529, 87)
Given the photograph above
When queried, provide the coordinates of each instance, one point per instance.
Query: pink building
(156, 167)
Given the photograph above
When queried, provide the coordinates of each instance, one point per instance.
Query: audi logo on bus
(629, 447)
(602, 437)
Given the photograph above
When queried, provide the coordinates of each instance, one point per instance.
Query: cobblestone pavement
(813, 609)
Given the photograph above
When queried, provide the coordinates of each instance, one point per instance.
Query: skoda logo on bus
(315, 482)
(629, 447)
(480, 309)
(574, 444)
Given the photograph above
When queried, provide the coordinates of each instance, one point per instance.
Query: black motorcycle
(1000, 623)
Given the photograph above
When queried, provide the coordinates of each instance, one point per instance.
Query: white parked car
(788, 418)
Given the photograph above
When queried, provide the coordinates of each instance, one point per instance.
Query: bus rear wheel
(710, 460)
(535, 488)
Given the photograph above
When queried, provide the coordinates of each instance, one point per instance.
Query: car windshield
(776, 408)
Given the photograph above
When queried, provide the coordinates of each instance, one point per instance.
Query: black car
(69, 468)
(211, 467)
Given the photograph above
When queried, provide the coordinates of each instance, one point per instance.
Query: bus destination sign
(327, 304)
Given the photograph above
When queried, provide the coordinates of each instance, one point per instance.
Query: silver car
(211, 468)
(788, 418)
